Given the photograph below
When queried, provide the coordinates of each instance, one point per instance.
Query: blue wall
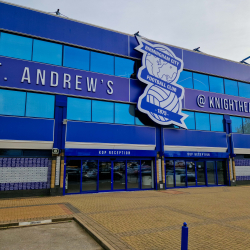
(109, 133)
(181, 137)
(14, 128)
(241, 141)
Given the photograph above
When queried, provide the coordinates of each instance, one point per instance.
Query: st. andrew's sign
(160, 70)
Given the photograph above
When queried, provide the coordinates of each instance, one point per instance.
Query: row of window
(57, 54)
(213, 122)
(198, 81)
(204, 121)
(240, 125)
(19, 103)
(101, 111)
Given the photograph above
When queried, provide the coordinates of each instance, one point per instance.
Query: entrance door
(191, 173)
(105, 174)
(211, 173)
(119, 175)
(112, 175)
(73, 176)
(133, 174)
(200, 172)
(93, 175)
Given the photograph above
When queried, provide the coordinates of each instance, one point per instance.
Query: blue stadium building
(87, 109)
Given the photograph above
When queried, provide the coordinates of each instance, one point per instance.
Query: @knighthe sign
(160, 70)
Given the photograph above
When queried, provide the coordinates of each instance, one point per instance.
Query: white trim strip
(27, 223)
(194, 149)
(109, 146)
(242, 150)
(18, 144)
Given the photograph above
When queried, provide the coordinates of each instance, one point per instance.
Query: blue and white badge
(160, 70)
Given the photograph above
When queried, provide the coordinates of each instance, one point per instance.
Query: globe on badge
(159, 96)
(161, 69)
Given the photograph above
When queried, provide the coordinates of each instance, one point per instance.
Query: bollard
(184, 237)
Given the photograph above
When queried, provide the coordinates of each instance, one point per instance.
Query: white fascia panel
(108, 146)
(194, 149)
(17, 144)
(242, 150)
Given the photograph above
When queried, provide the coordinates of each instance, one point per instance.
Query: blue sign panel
(110, 152)
(27, 75)
(186, 154)
(160, 70)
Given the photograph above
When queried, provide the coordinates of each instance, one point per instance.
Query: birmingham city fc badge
(160, 70)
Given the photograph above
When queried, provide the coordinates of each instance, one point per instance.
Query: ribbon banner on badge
(160, 70)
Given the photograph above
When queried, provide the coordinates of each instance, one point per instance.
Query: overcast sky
(219, 27)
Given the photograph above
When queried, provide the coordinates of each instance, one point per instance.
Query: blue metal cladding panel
(134, 53)
(15, 128)
(215, 66)
(109, 133)
(52, 27)
(136, 89)
(132, 44)
(179, 137)
(241, 141)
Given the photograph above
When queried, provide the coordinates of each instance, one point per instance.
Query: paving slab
(217, 217)
(61, 236)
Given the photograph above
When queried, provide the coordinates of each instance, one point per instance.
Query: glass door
(105, 174)
(147, 171)
(221, 172)
(89, 175)
(119, 175)
(180, 173)
(200, 173)
(169, 173)
(211, 173)
(133, 174)
(191, 173)
(73, 176)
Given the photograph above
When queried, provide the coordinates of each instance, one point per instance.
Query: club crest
(160, 70)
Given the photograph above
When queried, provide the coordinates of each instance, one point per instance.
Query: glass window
(216, 84)
(124, 67)
(40, 105)
(216, 123)
(186, 79)
(78, 109)
(138, 122)
(102, 111)
(231, 87)
(189, 121)
(15, 46)
(76, 58)
(200, 82)
(47, 52)
(244, 89)
(202, 121)
(246, 125)
(12, 102)
(102, 63)
(124, 113)
(236, 124)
